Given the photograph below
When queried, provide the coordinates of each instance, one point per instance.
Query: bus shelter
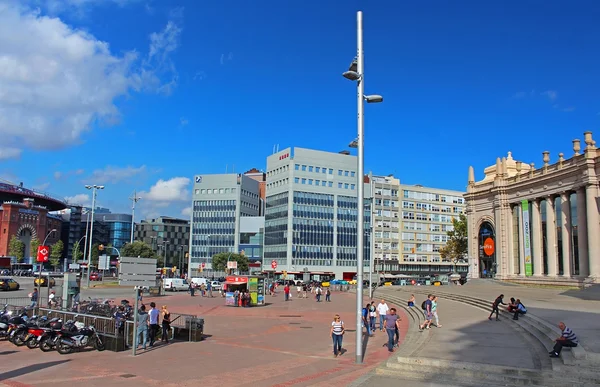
(252, 284)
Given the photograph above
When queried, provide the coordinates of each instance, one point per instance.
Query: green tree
(77, 254)
(457, 246)
(219, 261)
(16, 248)
(95, 253)
(33, 245)
(138, 249)
(56, 252)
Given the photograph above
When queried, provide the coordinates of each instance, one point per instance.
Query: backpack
(424, 305)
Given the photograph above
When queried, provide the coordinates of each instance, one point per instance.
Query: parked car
(9, 284)
(176, 284)
(95, 277)
(43, 281)
(216, 285)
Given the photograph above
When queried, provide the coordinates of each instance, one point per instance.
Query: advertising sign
(232, 264)
(43, 254)
(527, 238)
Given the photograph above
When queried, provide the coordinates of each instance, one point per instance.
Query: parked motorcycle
(50, 339)
(34, 333)
(21, 331)
(84, 337)
(5, 315)
(13, 323)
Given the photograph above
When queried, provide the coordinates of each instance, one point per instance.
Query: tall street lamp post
(356, 73)
(41, 267)
(134, 199)
(94, 189)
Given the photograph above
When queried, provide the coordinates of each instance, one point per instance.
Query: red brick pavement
(245, 347)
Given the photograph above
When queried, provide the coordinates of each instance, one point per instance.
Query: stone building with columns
(537, 225)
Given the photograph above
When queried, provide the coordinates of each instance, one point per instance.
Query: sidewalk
(282, 344)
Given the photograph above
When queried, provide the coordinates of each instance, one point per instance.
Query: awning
(236, 283)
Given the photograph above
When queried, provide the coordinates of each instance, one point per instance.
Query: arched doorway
(25, 236)
(487, 250)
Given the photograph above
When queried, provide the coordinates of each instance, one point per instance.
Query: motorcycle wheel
(99, 346)
(46, 346)
(64, 349)
(32, 343)
(18, 340)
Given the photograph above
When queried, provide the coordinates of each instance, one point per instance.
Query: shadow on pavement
(590, 294)
(7, 352)
(29, 369)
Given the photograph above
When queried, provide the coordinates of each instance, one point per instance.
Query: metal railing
(191, 325)
(15, 301)
(104, 325)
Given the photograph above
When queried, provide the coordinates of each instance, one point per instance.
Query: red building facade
(27, 221)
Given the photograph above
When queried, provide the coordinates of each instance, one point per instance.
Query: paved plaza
(288, 343)
(282, 344)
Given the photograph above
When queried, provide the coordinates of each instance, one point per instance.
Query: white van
(176, 284)
(199, 281)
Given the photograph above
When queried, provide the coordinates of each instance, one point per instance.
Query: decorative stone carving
(546, 157)
(588, 140)
(561, 159)
(532, 165)
(577, 146)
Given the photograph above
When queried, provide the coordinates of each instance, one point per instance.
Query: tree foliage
(16, 248)
(95, 253)
(77, 254)
(33, 246)
(56, 252)
(138, 249)
(457, 246)
(219, 261)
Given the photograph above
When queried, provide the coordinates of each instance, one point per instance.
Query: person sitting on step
(520, 309)
(567, 339)
(512, 306)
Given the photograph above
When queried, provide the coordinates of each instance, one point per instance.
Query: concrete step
(474, 374)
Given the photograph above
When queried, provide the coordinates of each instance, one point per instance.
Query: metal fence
(104, 325)
(15, 301)
(183, 326)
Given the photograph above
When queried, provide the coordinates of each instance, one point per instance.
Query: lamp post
(94, 189)
(87, 226)
(41, 266)
(78, 244)
(134, 199)
(356, 73)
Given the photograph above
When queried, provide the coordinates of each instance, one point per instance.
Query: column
(551, 237)
(536, 238)
(521, 243)
(582, 235)
(510, 253)
(567, 252)
(593, 230)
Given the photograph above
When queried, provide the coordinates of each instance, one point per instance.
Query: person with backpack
(426, 306)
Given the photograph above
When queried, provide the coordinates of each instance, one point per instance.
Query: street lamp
(134, 199)
(94, 189)
(356, 73)
(42, 265)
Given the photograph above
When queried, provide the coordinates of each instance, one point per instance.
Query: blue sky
(187, 87)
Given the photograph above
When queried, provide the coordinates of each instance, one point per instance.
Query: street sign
(203, 265)
(273, 264)
(232, 264)
(137, 271)
(43, 253)
(103, 262)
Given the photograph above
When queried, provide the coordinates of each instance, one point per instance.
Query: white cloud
(41, 186)
(58, 175)
(186, 212)
(551, 94)
(79, 199)
(166, 191)
(199, 76)
(57, 82)
(9, 152)
(111, 174)
(226, 58)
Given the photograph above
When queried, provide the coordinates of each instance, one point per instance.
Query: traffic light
(173, 269)
(101, 247)
(164, 270)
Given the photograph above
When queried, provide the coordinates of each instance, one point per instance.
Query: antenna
(277, 148)
(226, 166)
(273, 149)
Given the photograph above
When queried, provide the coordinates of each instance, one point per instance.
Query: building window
(318, 169)
(346, 173)
(353, 186)
(296, 180)
(310, 168)
(197, 192)
(352, 174)
(310, 181)
(340, 172)
(303, 181)
(346, 185)
(339, 185)
(304, 167)
(331, 171)
(297, 167)
(330, 184)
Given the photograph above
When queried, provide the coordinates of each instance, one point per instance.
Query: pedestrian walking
(382, 309)
(426, 306)
(142, 328)
(337, 334)
(372, 315)
(392, 323)
(434, 306)
(327, 295)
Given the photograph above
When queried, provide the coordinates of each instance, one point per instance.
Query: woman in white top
(434, 311)
(337, 334)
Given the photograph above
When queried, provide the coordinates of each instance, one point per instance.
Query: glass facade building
(312, 213)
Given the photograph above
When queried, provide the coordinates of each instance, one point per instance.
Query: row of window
(428, 217)
(278, 183)
(427, 227)
(409, 236)
(432, 197)
(215, 191)
(432, 207)
(386, 192)
(323, 170)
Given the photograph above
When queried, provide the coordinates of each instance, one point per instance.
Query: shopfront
(236, 285)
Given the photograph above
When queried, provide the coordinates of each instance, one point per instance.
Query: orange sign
(489, 247)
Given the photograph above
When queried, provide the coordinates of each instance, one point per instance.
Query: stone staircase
(574, 368)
